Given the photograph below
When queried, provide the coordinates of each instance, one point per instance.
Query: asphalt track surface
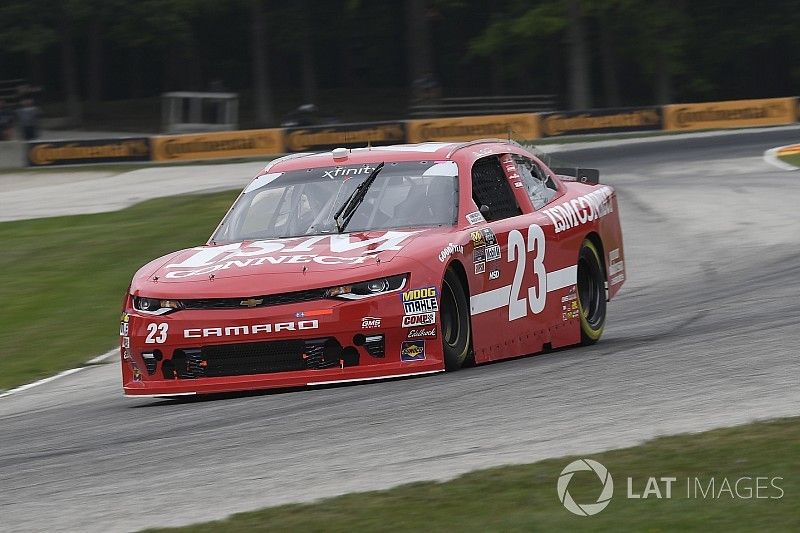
(704, 334)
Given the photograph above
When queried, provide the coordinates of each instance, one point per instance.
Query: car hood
(280, 257)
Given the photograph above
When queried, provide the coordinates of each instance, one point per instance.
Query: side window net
(490, 188)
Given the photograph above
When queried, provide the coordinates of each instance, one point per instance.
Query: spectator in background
(6, 122)
(28, 118)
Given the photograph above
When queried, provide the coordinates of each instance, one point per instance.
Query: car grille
(253, 358)
(255, 301)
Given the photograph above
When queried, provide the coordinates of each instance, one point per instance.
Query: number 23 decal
(517, 251)
(156, 333)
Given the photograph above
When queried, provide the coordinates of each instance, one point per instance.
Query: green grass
(523, 498)
(791, 159)
(64, 278)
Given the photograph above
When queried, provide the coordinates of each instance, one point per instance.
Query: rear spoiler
(583, 175)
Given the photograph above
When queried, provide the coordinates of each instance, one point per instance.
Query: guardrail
(484, 105)
(519, 126)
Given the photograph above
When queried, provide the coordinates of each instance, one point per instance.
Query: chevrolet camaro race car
(374, 263)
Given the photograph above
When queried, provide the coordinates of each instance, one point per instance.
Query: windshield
(304, 202)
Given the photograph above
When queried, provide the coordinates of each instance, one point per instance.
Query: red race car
(373, 263)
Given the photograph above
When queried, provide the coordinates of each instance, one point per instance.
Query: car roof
(398, 152)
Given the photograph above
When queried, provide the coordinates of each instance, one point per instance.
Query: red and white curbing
(771, 156)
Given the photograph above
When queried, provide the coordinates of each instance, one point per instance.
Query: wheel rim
(451, 323)
(590, 292)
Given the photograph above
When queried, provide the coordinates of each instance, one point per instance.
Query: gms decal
(341, 250)
(412, 351)
(369, 322)
(581, 210)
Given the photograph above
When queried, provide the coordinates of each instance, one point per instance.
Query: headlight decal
(369, 288)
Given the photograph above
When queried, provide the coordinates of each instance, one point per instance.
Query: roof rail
(479, 141)
(287, 158)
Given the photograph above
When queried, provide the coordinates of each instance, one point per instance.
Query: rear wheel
(455, 324)
(591, 293)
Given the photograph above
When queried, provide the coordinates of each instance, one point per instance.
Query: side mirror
(583, 175)
(484, 209)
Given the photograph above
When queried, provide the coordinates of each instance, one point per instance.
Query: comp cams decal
(422, 319)
(341, 250)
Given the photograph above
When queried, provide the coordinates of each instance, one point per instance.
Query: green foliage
(64, 278)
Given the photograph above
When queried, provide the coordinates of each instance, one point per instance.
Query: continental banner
(733, 114)
(245, 143)
(344, 136)
(601, 121)
(49, 153)
(519, 126)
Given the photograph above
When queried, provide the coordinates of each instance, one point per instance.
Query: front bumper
(306, 344)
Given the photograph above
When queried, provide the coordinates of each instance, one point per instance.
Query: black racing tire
(455, 325)
(591, 293)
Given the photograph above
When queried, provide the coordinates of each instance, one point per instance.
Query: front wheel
(455, 322)
(591, 293)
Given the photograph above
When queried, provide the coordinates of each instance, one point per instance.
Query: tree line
(588, 53)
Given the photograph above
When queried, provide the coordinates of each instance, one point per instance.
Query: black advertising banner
(344, 136)
(601, 121)
(82, 151)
